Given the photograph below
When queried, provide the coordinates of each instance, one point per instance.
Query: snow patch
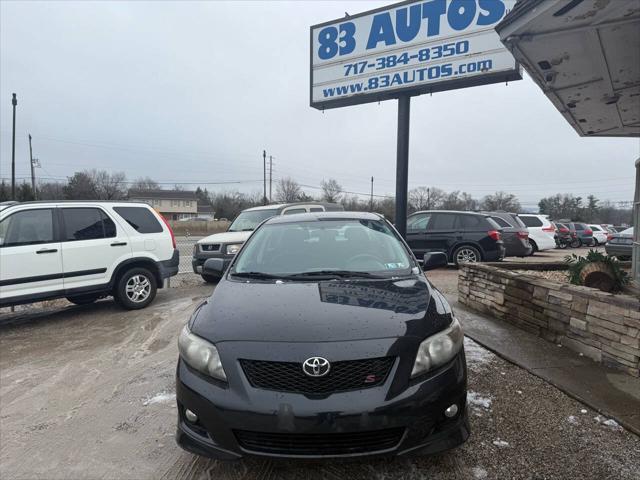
(572, 420)
(477, 400)
(162, 397)
(500, 443)
(613, 424)
(584, 410)
(477, 356)
(479, 473)
(608, 422)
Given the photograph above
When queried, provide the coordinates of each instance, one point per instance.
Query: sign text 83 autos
(341, 40)
(415, 46)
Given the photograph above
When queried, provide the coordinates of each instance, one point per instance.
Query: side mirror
(433, 260)
(214, 267)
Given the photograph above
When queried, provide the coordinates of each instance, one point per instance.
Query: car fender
(143, 260)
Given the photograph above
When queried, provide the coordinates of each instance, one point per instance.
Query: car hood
(324, 311)
(226, 237)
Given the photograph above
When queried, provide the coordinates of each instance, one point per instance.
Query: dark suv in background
(463, 236)
(515, 234)
(584, 234)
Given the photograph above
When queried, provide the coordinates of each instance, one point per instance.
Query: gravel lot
(88, 392)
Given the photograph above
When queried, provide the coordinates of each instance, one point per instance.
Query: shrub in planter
(597, 271)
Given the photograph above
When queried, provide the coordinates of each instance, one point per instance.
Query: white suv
(541, 231)
(84, 250)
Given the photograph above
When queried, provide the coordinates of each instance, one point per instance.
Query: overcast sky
(193, 92)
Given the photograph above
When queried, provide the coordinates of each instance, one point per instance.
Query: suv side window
(531, 221)
(419, 221)
(316, 209)
(503, 223)
(291, 211)
(87, 224)
(443, 221)
(28, 227)
(470, 222)
(141, 219)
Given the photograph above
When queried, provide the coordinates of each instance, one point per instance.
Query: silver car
(620, 244)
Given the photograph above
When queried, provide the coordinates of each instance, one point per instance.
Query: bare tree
(50, 191)
(80, 186)
(110, 186)
(331, 190)
(287, 190)
(507, 202)
(145, 183)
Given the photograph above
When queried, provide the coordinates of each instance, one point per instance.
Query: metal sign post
(402, 164)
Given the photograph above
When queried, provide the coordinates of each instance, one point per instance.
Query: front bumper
(417, 413)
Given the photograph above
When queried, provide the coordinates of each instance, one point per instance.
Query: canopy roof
(585, 56)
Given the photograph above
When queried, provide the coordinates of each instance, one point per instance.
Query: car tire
(210, 279)
(466, 253)
(534, 247)
(83, 299)
(575, 243)
(136, 288)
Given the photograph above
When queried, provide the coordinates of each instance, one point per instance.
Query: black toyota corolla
(323, 339)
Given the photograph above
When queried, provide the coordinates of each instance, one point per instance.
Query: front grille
(210, 247)
(315, 444)
(343, 376)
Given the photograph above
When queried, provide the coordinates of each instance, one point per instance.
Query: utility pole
(270, 175)
(14, 102)
(264, 174)
(33, 173)
(428, 198)
(371, 200)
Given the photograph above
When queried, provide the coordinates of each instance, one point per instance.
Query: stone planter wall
(600, 325)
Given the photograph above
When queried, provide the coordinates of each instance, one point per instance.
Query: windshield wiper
(336, 273)
(257, 275)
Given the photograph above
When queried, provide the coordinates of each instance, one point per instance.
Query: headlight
(233, 248)
(200, 354)
(438, 349)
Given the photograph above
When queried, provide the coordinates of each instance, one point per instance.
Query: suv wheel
(136, 289)
(210, 279)
(466, 254)
(83, 299)
(534, 247)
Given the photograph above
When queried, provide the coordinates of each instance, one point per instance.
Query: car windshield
(248, 221)
(327, 247)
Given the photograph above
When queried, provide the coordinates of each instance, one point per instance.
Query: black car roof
(452, 211)
(319, 216)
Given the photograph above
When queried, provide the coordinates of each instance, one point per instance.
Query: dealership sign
(411, 48)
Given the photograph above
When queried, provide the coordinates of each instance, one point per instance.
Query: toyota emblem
(316, 366)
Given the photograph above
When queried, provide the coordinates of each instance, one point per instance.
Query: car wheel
(575, 243)
(466, 254)
(136, 289)
(83, 299)
(596, 243)
(534, 247)
(210, 279)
